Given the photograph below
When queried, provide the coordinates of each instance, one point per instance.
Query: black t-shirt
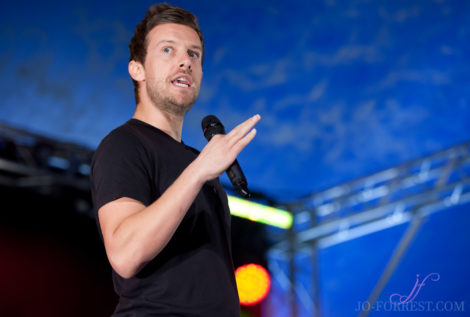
(193, 275)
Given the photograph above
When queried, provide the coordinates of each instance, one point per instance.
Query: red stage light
(253, 282)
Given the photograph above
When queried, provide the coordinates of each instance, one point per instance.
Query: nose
(185, 63)
(186, 66)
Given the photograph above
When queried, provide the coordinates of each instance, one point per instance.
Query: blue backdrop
(344, 88)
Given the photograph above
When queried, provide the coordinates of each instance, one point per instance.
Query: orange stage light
(253, 282)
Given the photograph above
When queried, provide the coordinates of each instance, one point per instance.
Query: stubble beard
(168, 103)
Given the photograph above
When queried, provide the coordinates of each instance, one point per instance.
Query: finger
(240, 145)
(240, 130)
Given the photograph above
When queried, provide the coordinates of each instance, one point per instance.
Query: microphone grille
(211, 126)
(208, 121)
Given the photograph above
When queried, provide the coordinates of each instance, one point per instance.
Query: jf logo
(403, 299)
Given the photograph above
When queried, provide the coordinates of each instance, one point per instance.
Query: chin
(179, 107)
(185, 101)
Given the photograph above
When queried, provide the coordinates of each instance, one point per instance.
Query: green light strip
(259, 213)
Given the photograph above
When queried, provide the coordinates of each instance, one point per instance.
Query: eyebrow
(196, 47)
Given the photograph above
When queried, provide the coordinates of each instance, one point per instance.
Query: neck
(169, 123)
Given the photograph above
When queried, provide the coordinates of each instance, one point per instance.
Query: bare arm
(134, 234)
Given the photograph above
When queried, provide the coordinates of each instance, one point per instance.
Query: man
(161, 210)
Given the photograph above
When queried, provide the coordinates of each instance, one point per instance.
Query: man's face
(173, 70)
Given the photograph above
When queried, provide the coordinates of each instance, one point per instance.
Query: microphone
(211, 126)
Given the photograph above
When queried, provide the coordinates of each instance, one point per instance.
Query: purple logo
(403, 299)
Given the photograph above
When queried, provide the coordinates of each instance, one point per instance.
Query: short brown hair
(155, 15)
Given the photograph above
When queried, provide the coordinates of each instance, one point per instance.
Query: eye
(167, 50)
(193, 54)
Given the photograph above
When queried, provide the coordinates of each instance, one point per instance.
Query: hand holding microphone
(229, 146)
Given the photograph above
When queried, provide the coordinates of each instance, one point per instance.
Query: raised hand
(222, 149)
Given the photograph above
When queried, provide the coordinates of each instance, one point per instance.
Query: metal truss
(33, 162)
(403, 194)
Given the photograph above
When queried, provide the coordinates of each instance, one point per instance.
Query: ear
(136, 70)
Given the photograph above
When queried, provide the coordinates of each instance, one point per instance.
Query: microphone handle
(238, 179)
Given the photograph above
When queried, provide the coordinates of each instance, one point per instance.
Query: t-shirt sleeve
(120, 168)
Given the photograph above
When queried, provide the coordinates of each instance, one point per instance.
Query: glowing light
(253, 283)
(260, 213)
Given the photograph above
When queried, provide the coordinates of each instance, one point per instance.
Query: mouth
(182, 80)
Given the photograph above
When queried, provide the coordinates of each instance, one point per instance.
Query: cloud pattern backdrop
(345, 88)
